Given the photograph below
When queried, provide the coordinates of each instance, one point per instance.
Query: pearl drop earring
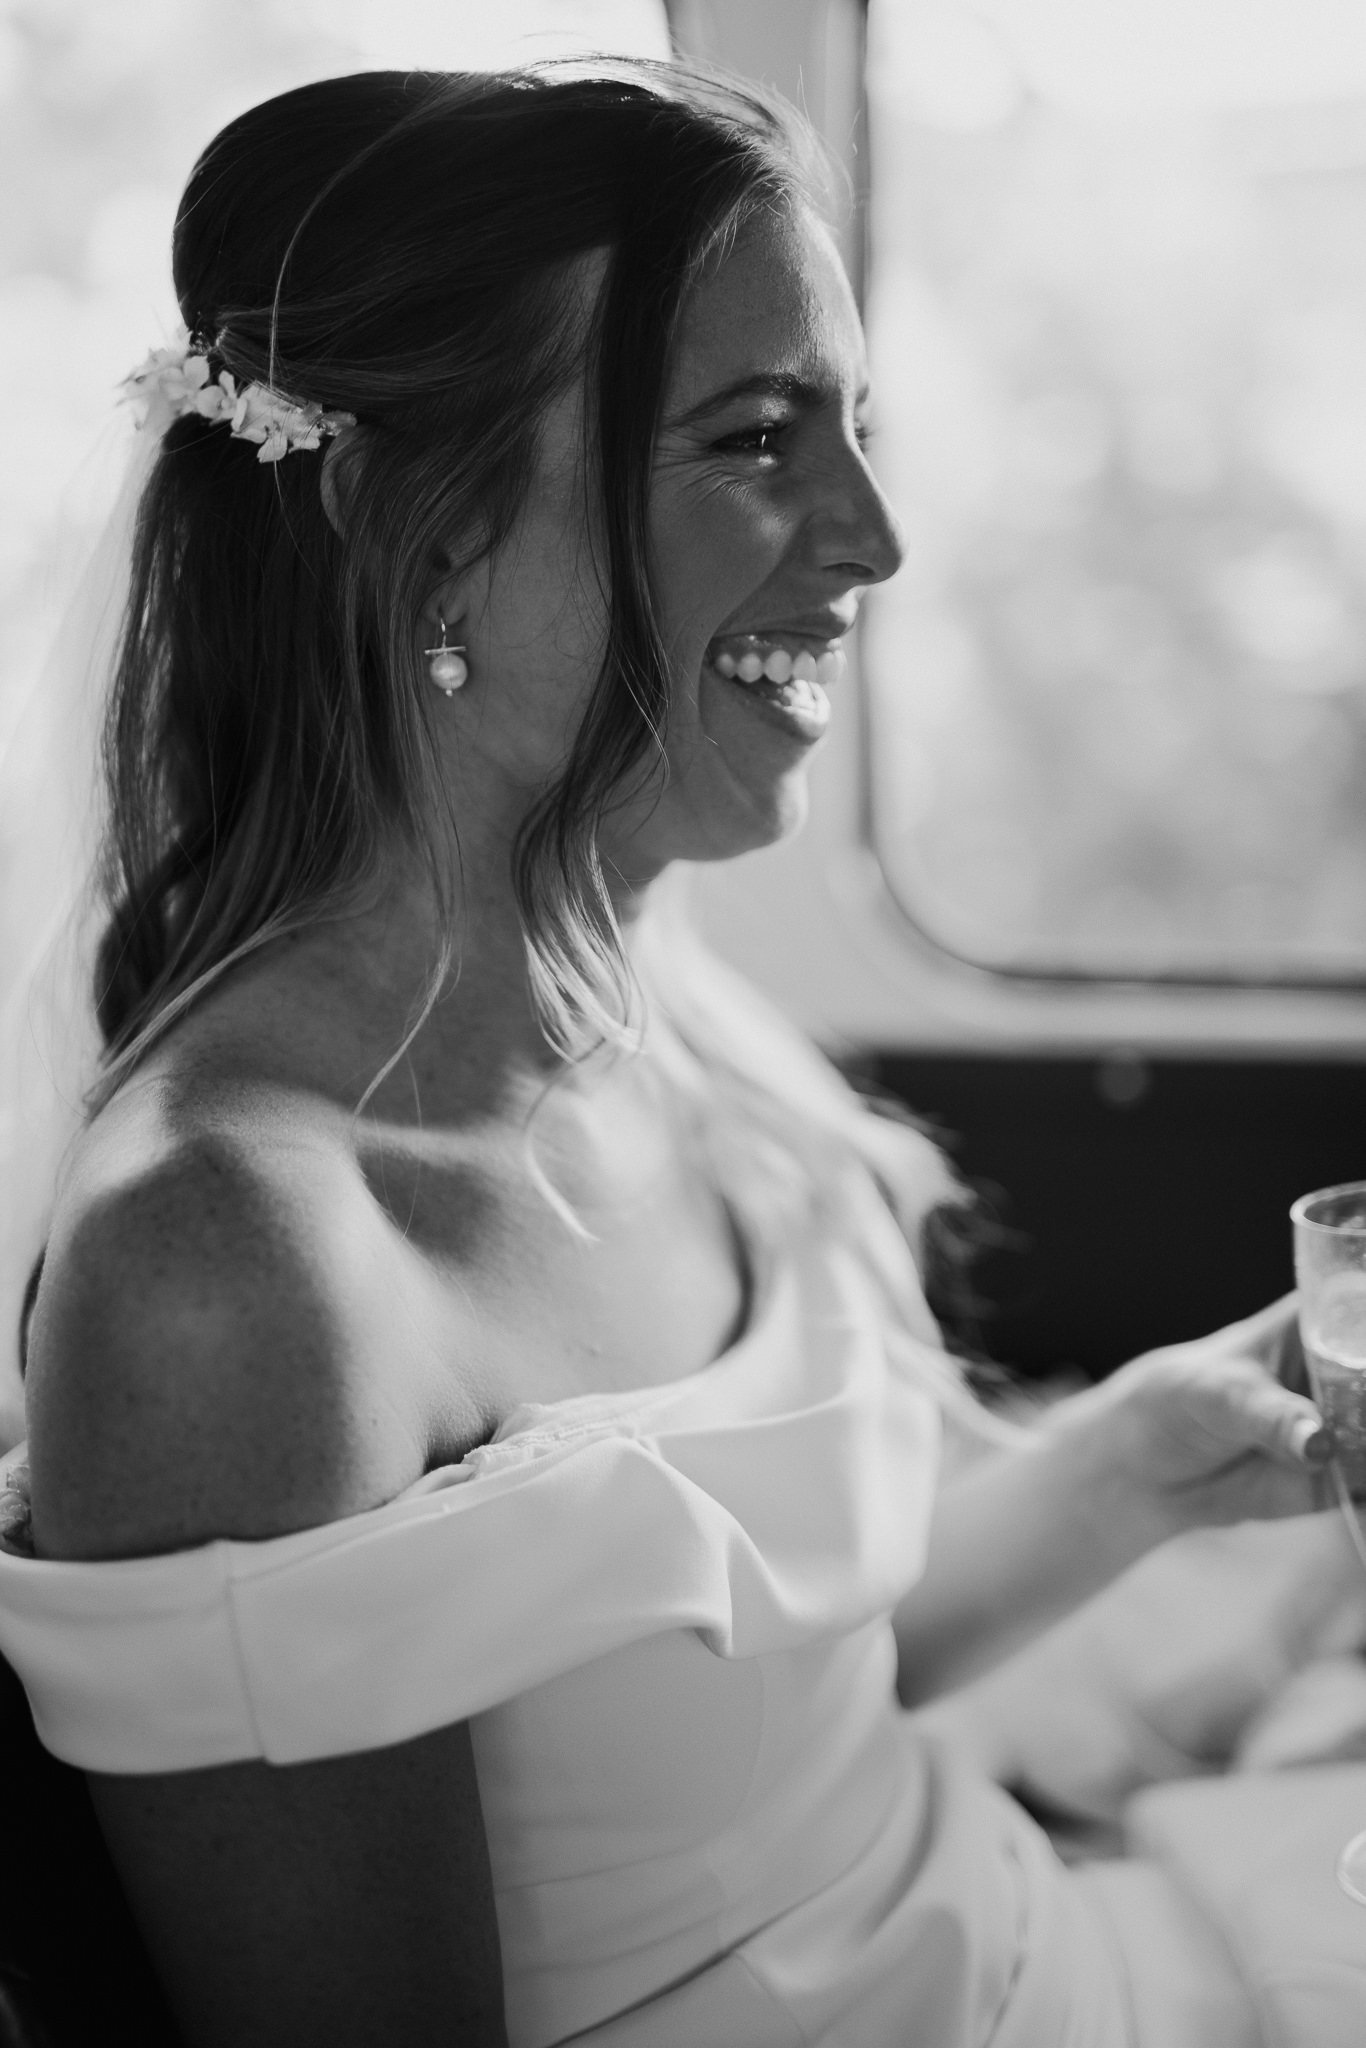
(447, 665)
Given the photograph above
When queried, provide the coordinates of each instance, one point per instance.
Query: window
(1117, 699)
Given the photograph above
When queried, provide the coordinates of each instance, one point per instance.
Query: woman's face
(765, 527)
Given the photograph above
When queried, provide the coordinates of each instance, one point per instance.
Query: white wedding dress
(665, 1614)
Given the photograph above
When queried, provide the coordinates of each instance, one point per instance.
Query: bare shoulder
(208, 1347)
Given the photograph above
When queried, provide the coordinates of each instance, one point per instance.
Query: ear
(448, 593)
(338, 476)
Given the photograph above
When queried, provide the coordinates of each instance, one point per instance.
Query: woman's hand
(1204, 1433)
(1187, 1437)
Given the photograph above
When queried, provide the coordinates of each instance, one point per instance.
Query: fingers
(1261, 1336)
(1283, 1425)
(1309, 1443)
(1263, 1333)
(1288, 1362)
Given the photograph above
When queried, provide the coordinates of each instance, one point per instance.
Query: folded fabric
(1227, 1649)
(1257, 1855)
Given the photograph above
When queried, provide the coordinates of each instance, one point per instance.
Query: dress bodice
(665, 1614)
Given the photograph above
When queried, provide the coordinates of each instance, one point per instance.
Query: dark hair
(398, 246)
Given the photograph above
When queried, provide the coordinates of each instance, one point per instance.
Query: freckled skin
(762, 512)
(751, 538)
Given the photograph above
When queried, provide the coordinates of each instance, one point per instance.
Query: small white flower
(216, 401)
(273, 446)
(175, 380)
(254, 414)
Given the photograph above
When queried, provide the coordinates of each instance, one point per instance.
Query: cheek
(714, 554)
(745, 520)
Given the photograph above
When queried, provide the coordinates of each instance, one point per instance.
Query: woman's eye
(756, 440)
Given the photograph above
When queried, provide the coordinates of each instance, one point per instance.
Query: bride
(483, 1419)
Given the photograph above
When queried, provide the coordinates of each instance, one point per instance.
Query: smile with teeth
(753, 660)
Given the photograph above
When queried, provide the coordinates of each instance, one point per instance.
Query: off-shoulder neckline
(530, 1423)
(528, 1426)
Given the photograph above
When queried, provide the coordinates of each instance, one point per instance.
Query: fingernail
(1312, 1441)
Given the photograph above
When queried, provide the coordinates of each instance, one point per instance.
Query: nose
(862, 537)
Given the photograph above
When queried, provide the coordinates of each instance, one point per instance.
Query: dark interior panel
(1127, 1202)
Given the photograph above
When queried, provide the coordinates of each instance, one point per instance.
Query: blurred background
(1085, 880)
(1124, 247)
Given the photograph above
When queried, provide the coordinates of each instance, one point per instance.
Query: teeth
(750, 660)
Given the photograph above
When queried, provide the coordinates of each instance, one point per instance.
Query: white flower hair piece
(174, 381)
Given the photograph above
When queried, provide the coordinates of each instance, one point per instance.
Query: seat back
(73, 1969)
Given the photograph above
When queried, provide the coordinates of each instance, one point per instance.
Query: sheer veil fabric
(50, 828)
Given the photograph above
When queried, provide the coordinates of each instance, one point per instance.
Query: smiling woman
(484, 1419)
(770, 524)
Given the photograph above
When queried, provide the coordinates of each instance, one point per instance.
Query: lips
(784, 674)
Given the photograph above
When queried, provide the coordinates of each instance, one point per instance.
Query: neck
(345, 993)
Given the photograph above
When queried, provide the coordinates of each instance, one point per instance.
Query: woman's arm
(1195, 1434)
(344, 1902)
(206, 1362)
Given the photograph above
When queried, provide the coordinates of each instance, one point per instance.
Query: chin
(766, 817)
(738, 816)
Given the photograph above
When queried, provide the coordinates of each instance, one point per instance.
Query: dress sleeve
(780, 1496)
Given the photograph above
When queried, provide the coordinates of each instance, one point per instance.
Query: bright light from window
(1118, 319)
(1141, 57)
(967, 63)
(476, 35)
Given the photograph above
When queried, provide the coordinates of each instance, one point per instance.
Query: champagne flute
(1330, 1273)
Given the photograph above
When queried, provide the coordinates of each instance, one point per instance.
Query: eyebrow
(798, 391)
